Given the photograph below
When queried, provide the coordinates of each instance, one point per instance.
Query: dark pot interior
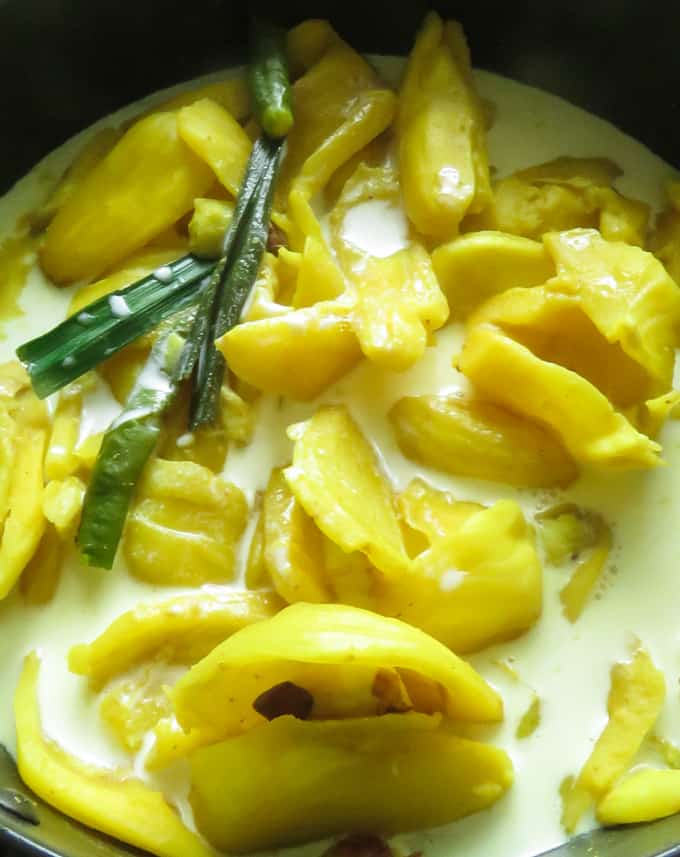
(65, 63)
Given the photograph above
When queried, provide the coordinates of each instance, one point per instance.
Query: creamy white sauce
(566, 665)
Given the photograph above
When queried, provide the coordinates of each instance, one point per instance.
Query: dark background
(64, 63)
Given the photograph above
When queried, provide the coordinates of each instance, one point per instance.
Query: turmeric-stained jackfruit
(471, 437)
(566, 193)
(306, 44)
(441, 133)
(40, 578)
(580, 586)
(297, 353)
(333, 652)
(292, 545)
(635, 699)
(123, 808)
(336, 477)
(593, 341)
(60, 458)
(62, 504)
(477, 266)
(262, 790)
(398, 303)
(664, 240)
(133, 706)
(206, 445)
(208, 225)
(644, 795)
(25, 522)
(217, 138)
(147, 181)
(184, 526)
(435, 514)
(628, 296)
(478, 584)
(180, 630)
(231, 94)
(94, 150)
(319, 278)
(508, 373)
(340, 106)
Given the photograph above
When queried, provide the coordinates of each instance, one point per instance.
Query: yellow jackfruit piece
(292, 545)
(479, 265)
(8, 431)
(132, 707)
(398, 303)
(25, 522)
(621, 218)
(232, 94)
(147, 181)
(350, 577)
(412, 774)
(60, 458)
(336, 477)
(636, 695)
(62, 504)
(88, 449)
(319, 278)
(40, 578)
(644, 795)
(23, 439)
(627, 294)
(257, 574)
(340, 106)
(591, 431)
(563, 194)
(238, 417)
(94, 150)
(298, 353)
(207, 227)
(479, 583)
(568, 532)
(664, 240)
(180, 630)
(374, 154)
(206, 445)
(531, 719)
(441, 132)
(572, 172)
(306, 44)
(333, 652)
(216, 137)
(185, 525)
(471, 437)
(649, 417)
(121, 807)
(434, 513)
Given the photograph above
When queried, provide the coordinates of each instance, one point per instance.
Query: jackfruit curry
(337, 462)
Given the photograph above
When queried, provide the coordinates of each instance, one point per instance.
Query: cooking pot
(66, 63)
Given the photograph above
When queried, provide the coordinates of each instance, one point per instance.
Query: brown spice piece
(284, 698)
(276, 239)
(360, 845)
